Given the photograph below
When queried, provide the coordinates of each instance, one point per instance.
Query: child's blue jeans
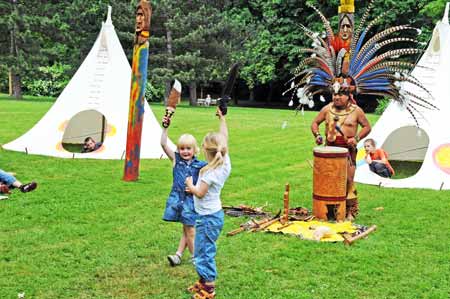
(207, 231)
(6, 178)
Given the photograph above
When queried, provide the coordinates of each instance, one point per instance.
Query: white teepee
(95, 103)
(396, 131)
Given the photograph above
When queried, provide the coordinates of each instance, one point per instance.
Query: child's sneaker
(196, 287)
(174, 260)
(28, 187)
(203, 294)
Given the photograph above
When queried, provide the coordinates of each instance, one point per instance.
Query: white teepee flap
(445, 18)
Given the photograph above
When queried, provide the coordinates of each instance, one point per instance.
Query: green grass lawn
(84, 233)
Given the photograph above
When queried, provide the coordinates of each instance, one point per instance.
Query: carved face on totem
(140, 20)
(143, 17)
(346, 27)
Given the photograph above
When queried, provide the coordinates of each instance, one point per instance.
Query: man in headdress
(352, 63)
(342, 119)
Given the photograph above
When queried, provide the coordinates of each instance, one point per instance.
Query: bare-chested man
(342, 119)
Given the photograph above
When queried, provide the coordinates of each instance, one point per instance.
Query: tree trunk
(270, 95)
(252, 94)
(169, 65)
(167, 92)
(193, 93)
(234, 97)
(15, 83)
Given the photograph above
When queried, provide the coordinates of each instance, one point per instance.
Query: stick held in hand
(228, 88)
(172, 101)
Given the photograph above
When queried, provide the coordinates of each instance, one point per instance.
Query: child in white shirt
(208, 206)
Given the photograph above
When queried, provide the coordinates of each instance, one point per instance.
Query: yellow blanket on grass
(305, 229)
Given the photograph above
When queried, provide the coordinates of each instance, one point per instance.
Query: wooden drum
(330, 182)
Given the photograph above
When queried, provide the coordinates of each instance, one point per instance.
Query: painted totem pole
(138, 83)
(343, 39)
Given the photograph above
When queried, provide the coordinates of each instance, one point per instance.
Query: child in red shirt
(377, 159)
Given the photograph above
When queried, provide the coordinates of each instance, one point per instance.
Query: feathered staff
(363, 65)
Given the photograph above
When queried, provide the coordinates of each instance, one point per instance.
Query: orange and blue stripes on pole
(136, 111)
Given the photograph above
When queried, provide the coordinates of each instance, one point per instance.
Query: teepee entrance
(88, 123)
(406, 148)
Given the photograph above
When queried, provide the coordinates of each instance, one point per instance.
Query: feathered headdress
(359, 65)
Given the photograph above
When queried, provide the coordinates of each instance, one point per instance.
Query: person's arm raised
(223, 129)
(166, 148)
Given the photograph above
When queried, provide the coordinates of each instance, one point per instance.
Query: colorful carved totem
(138, 83)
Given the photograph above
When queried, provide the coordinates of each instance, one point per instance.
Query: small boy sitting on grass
(377, 159)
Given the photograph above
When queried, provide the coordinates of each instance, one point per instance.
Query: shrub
(154, 92)
(382, 105)
(53, 80)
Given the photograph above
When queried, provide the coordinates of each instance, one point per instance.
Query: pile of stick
(244, 210)
(289, 215)
(255, 225)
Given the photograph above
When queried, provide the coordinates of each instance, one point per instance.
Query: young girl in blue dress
(180, 204)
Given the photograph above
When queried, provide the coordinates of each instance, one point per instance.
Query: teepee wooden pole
(137, 93)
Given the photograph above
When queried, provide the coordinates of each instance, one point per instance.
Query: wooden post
(348, 240)
(137, 93)
(285, 217)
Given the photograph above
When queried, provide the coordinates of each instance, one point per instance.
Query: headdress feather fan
(372, 64)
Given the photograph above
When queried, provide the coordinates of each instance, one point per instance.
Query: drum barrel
(330, 173)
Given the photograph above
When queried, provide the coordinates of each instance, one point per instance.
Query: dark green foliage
(51, 82)
(382, 105)
(206, 36)
(154, 92)
(191, 41)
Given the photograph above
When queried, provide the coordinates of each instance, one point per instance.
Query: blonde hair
(188, 140)
(215, 148)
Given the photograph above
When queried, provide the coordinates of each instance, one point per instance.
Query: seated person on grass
(90, 145)
(377, 159)
(8, 181)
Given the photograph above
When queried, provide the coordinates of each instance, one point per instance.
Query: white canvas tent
(95, 103)
(396, 131)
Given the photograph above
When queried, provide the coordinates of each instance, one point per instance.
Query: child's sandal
(196, 287)
(202, 294)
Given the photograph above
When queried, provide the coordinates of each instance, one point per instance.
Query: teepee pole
(138, 84)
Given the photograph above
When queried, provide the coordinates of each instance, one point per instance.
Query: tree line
(42, 43)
